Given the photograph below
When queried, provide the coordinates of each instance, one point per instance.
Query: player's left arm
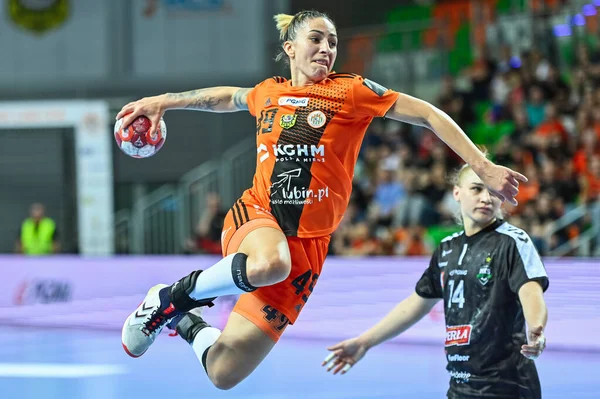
(528, 279)
(421, 113)
(531, 296)
(502, 181)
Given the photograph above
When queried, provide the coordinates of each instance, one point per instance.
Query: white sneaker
(147, 321)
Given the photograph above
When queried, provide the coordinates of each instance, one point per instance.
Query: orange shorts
(272, 308)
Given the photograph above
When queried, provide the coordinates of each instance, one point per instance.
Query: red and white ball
(137, 141)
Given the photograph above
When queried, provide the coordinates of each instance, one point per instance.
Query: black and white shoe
(158, 308)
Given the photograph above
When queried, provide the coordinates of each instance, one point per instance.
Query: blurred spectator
(535, 106)
(595, 216)
(554, 84)
(208, 230)
(540, 65)
(409, 211)
(589, 147)
(501, 88)
(590, 181)
(434, 189)
(411, 242)
(388, 194)
(38, 234)
(549, 129)
(481, 74)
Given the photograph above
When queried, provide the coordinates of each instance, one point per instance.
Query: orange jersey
(308, 139)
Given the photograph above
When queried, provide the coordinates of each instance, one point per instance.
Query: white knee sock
(204, 340)
(226, 277)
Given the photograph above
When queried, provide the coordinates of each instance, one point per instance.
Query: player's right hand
(152, 107)
(536, 343)
(344, 355)
(501, 181)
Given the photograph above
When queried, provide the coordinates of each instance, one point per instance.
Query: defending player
(492, 281)
(308, 133)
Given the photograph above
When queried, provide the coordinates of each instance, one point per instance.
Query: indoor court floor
(79, 364)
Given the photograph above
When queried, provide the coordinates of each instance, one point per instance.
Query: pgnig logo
(42, 291)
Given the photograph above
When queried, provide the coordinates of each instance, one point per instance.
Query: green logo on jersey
(485, 272)
(287, 121)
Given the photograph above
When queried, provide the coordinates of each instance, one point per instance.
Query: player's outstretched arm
(347, 353)
(213, 99)
(536, 315)
(501, 181)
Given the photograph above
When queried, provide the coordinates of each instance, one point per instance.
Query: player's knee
(269, 269)
(224, 381)
(224, 378)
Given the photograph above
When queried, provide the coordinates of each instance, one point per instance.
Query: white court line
(58, 370)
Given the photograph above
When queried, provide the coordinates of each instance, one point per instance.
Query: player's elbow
(432, 116)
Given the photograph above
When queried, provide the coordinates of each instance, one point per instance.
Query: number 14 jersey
(479, 278)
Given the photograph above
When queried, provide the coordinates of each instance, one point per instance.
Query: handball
(137, 140)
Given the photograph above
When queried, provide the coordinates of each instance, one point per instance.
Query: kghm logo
(292, 152)
(298, 150)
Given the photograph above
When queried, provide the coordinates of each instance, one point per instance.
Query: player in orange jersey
(275, 237)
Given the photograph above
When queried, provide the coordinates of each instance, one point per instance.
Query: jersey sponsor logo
(458, 335)
(263, 152)
(293, 101)
(316, 119)
(485, 275)
(298, 150)
(287, 121)
(460, 375)
(293, 152)
(293, 195)
(485, 272)
(224, 234)
(518, 233)
(458, 358)
(458, 272)
(260, 210)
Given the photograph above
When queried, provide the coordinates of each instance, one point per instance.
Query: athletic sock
(204, 339)
(226, 277)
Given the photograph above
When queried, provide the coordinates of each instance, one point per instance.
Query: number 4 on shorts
(299, 283)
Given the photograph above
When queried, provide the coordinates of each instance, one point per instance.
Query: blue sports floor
(77, 364)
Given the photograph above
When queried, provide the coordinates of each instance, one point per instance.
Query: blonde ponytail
(283, 24)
